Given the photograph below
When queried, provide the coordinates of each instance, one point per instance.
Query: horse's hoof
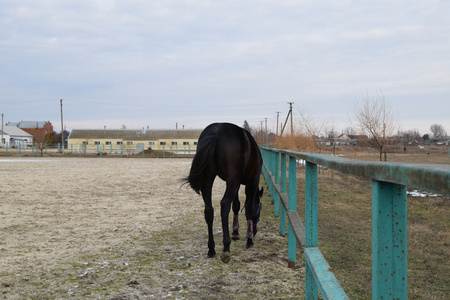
(249, 243)
(235, 236)
(211, 254)
(225, 257)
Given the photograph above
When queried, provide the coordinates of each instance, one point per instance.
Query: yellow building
(115, 141)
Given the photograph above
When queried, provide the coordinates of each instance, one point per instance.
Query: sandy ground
(53, 209)
(123, 228)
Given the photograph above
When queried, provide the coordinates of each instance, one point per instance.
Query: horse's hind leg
(209, 217)
(236, 207)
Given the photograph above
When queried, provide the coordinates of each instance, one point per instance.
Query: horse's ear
(261, 192)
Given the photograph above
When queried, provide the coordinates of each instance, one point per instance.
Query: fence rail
(389, 215)
(80, 149)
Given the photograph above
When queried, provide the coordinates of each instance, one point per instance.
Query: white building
(14, 136)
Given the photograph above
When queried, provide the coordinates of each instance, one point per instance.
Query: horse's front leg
(236, 207)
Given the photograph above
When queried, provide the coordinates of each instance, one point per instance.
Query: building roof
(353, 137)
(15, 131)
(28, 124)
(136, 135)
(172, 134)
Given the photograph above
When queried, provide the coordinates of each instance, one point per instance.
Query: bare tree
(350, 131)
(438, 131)
(313, 130)
(374, 117)
(410, 136)
(330, 136)
(318, 132)
(41, 142)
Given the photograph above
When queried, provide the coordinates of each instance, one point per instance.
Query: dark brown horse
(230, 152)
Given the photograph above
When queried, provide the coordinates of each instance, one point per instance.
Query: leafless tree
(313, 130)
(375, 118)
(41, 142)
(438, 131)
(350, 131)
(410, 136)
(317, 131)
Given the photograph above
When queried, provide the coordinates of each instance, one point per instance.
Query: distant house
(15, 137)
(114, 140)
(38, 129)
(352, 140)
(4, 138)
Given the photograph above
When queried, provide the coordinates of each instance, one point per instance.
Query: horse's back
(237, 154)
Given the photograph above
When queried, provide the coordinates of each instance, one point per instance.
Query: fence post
(273, 176)
(311, 223)
(283, 185)
(276, 196)
(389, 241)
(292, 240)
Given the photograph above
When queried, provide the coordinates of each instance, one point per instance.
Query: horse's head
(256, 210)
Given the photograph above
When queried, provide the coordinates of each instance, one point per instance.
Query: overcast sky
(159, 63)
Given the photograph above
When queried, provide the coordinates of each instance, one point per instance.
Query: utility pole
(278, 117)
(261, 132)
(287, 117)
(265, 134)
(2, 129)
(292, 118)
(62, 128)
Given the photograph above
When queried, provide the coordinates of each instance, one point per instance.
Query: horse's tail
(202, 160)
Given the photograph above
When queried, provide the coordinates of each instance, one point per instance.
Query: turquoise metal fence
(389, 215)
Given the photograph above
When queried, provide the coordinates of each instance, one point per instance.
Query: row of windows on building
(130, 143)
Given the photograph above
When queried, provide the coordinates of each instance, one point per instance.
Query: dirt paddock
(124, 228)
